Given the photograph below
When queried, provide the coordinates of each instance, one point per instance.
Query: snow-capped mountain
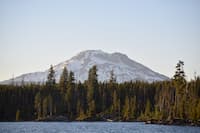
(124, 68)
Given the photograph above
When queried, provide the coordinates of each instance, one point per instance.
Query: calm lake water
(91, 127)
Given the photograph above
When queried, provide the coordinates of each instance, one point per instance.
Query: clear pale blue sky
(156, 33)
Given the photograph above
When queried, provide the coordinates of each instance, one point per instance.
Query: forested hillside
(93, 100)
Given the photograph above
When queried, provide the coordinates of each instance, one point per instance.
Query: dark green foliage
(126, 109)
(93, 92)
(51, 81)
(147, 112)
(112, 77)
(71, 96)
(63, 80)
(38, 105)
(180, 85)
(14, 98)
(92, 100)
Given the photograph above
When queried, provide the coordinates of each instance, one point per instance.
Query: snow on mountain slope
(124, 68)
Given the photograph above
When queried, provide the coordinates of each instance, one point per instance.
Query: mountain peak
(125, 69)
(91, 52)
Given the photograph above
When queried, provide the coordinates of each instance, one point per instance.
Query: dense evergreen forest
(93, 100)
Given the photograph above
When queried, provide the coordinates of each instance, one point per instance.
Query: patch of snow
(124, 68)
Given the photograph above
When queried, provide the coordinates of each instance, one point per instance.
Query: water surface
(92, 127)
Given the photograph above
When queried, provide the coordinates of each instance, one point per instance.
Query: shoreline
(149, 122)
(174, 122)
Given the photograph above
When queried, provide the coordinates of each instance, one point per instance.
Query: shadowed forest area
(166, 101)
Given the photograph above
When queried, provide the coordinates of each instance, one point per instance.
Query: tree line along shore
(175, 101)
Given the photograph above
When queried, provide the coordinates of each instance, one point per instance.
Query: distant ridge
(125, 69)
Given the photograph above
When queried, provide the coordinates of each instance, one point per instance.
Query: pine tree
(51, 81)
(50, 104)
(91, 109)
(38, 105)
(180, 84)
(45, 107)
(63, 80)
(116, 105)
(147, 112)
(198, 110)
(71, 95)
(80, 112)
(115, 99)
(126, 109)
(115, 102)
(112, 77)
(133, 107)
(179, 74)
(93, 94)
